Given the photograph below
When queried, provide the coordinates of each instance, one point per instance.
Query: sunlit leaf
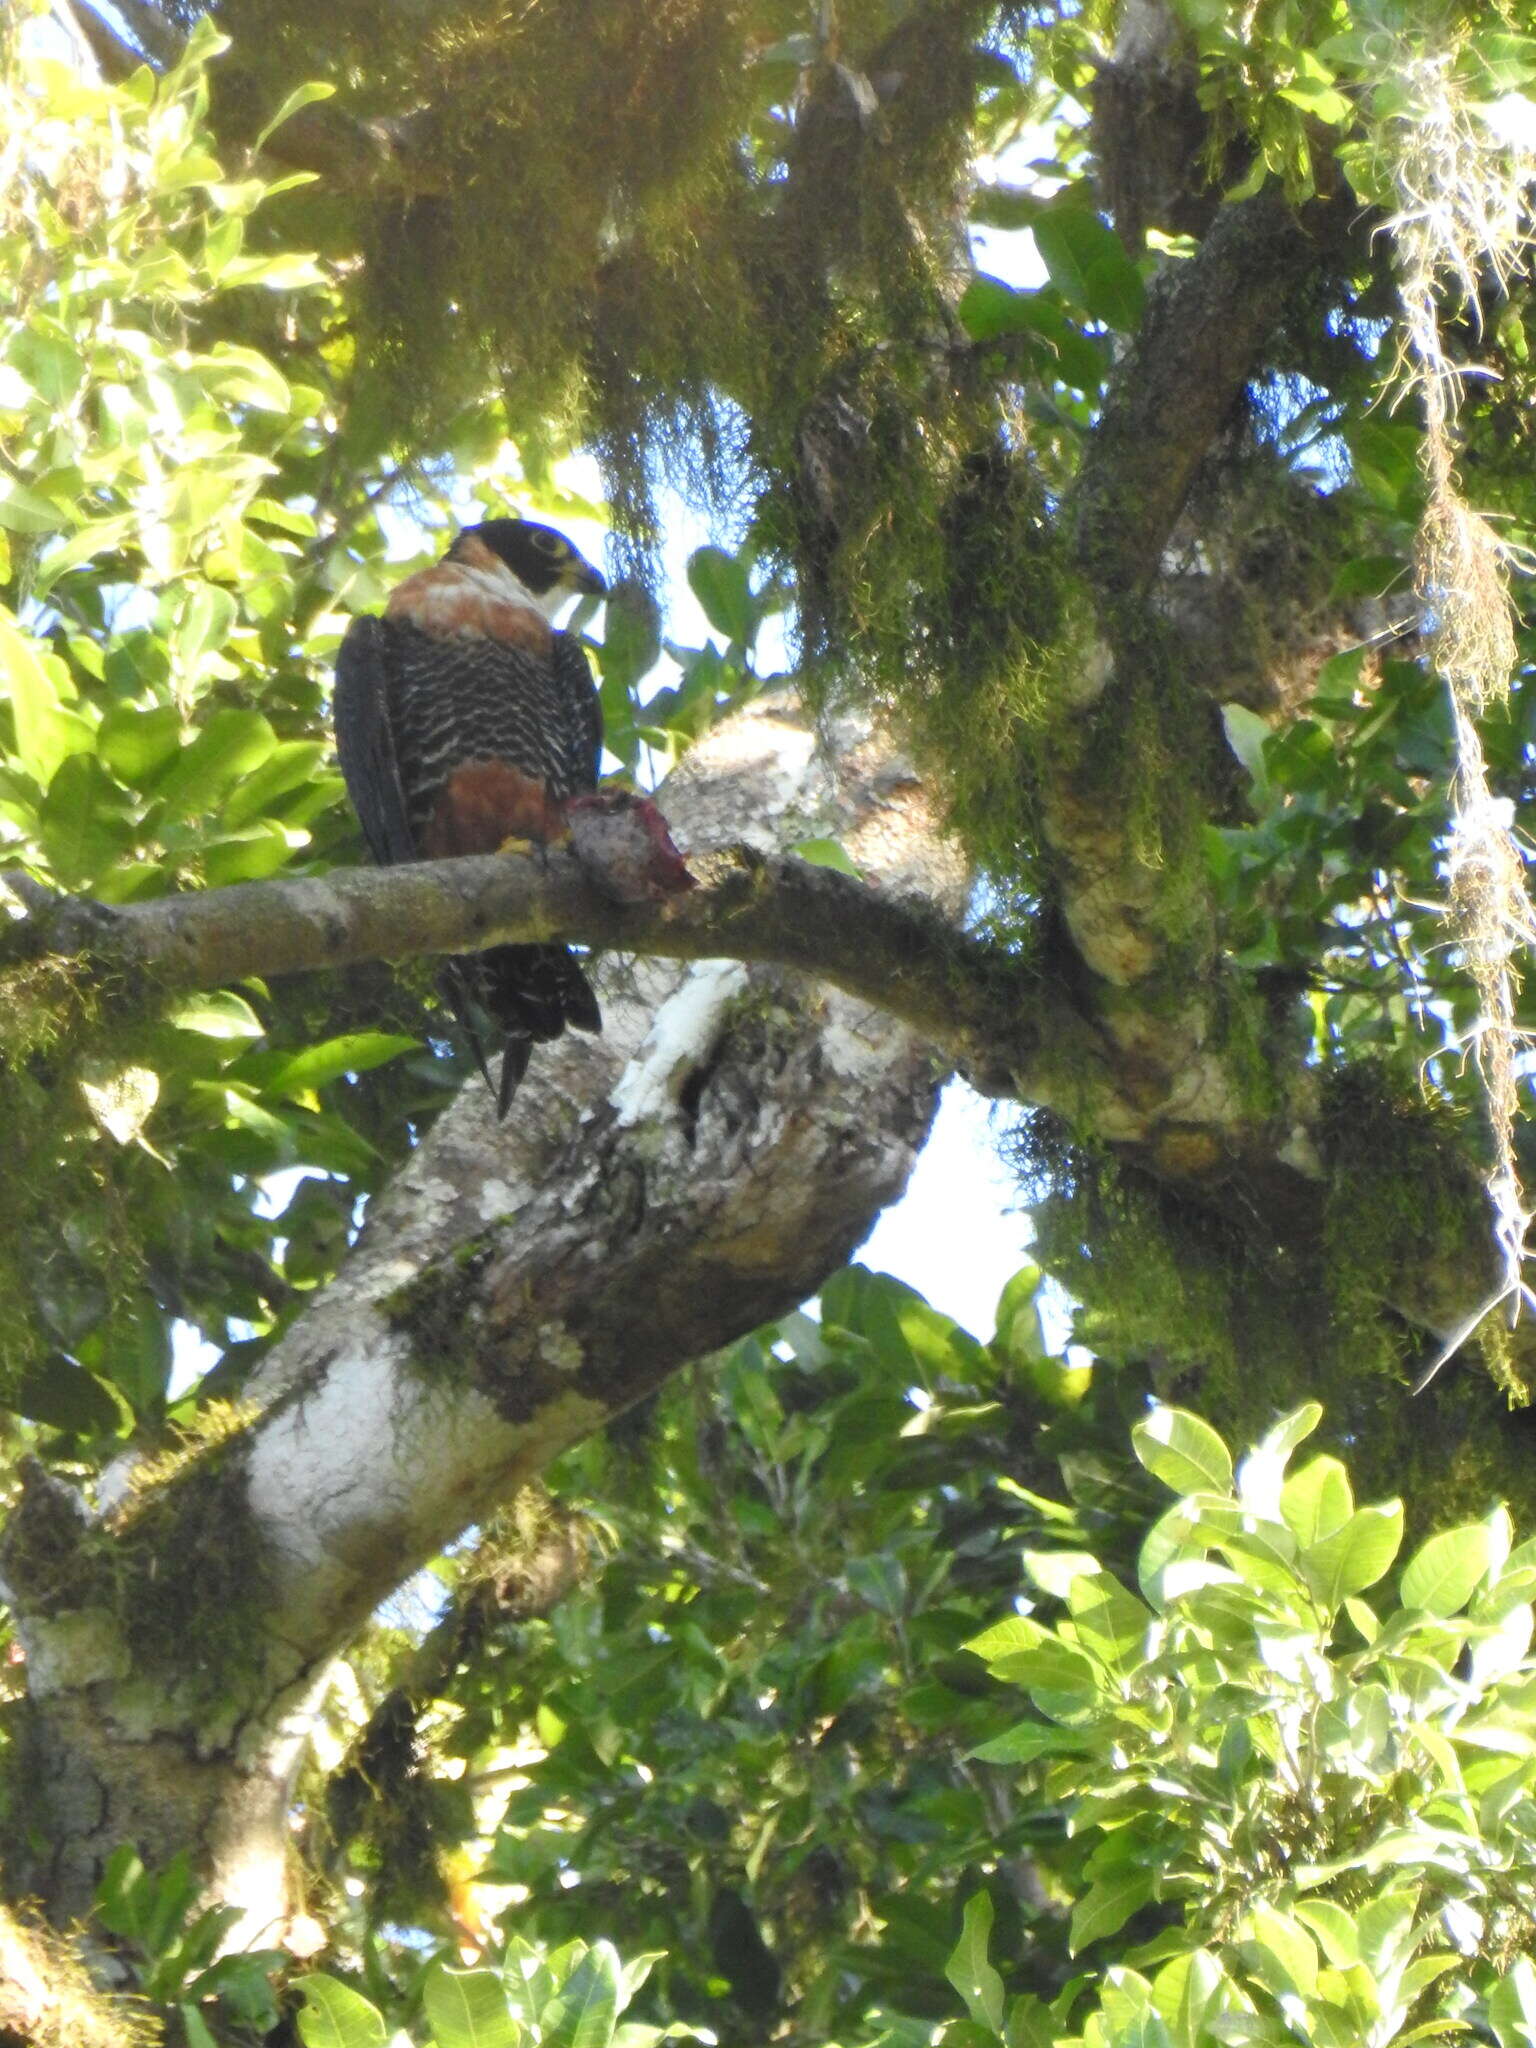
(333, 2015)
(1443, 1575)
(1183, 1451)
(46, 731)
(468, 2009)
(1106, 1906)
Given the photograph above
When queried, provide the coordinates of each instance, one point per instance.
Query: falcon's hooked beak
(579, 575)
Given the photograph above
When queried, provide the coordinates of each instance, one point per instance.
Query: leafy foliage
(181, 540)
(1325, 1795)
(1254, 1797)
(1271, 1782)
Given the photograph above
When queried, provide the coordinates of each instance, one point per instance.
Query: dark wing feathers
(366, 745)
(582, 708)
(411, 707)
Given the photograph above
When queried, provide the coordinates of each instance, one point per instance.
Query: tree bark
(659, 1192)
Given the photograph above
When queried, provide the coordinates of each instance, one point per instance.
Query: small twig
(117, 59)
(1522, 1295)
(155, 36)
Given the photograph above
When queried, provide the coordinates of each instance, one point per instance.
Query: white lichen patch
(73, 1651)
(496, 1199)
(680, 1035)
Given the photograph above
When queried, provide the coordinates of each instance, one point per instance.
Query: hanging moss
(1406, 1215)
(1226, 1315)
(385, 1809)
(755, 308)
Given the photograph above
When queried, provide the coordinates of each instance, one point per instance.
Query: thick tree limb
(1014, 1033)
(1206, 324)
(968, 996)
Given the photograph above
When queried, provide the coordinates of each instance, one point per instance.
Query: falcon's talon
(466, 722)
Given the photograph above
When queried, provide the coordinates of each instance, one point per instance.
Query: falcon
(467, 721)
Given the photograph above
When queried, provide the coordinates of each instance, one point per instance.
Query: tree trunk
(658, 1193)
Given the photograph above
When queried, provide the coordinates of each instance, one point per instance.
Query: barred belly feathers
(466, 720)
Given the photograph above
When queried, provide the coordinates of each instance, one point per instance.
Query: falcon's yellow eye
(551, 543)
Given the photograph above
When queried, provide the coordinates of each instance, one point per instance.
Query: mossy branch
(976, 1000)
(1206, 324)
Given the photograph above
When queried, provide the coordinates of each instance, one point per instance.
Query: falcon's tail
(529, 994)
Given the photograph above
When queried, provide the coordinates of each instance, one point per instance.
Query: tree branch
(1206, 323)
(968, 996)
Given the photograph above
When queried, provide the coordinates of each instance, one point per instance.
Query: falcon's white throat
(505, 585)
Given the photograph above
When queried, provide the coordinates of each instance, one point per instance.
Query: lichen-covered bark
(658, 1192)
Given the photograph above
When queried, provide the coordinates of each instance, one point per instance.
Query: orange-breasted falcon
(465, 719)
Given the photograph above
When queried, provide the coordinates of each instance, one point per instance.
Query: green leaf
(291, 765)
(1272, 1451)
(722, 583)
(24, 511)
(879, 1582)
(204, 625)
(1088, 264)
(136, 745)
(243, 375)
(827, 853)
(80, 824)
(989, 308)
(468, 2008)
(1512, 2006)
(195, 2027)
(1029, 1739)
(1106, 1906)
(230, 745)
(1183, 1451)
(1334, 1928)
(125, 1894)
(356, 1052)
(992, 310)
(45, 731)
(1280, 1952)
(65, 1396)
(1054, 1571)
(249, 856)
(583, 2010)
(284, 273)
(631, 643)
(1012, 1637)
(302, 96)
(977, 1982)
(217, 1013)
(99, 537)
(1355, 1556)
(1317, 1500)
(1442, 1577)
(1188, 1992)
(335, 2016)
(1247, 736)
(1111, 1623)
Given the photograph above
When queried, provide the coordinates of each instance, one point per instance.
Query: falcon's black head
(542, 560)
